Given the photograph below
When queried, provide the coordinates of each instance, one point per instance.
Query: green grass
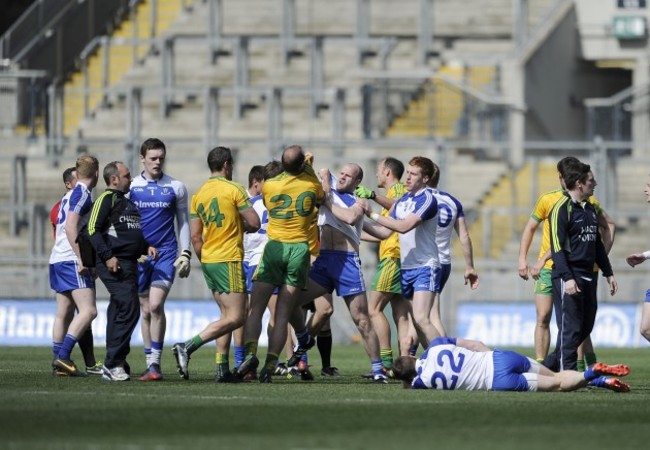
(38, 411)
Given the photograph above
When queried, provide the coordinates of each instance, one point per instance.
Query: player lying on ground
(463, 364)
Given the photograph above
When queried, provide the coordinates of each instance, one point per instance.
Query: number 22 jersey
(449, 367)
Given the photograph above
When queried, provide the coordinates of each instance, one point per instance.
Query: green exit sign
(629, 27)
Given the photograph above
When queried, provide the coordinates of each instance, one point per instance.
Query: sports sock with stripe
(193, 344)
(156, 352)
(386, 355)
(67, 346)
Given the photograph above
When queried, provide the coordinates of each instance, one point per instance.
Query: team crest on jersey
(166, 191)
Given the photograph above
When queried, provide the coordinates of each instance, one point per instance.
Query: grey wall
(558, 79)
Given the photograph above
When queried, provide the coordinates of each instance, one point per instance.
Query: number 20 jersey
(292, 201)
(449, 367)
(217, 203)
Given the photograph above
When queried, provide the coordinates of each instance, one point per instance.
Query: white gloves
(182, 264)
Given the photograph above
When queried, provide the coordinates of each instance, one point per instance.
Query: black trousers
(575, 316)
(123, 309)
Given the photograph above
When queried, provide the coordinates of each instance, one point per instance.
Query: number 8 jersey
(449, 367)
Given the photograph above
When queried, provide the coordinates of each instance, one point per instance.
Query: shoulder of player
(396, 190)
(551, 196)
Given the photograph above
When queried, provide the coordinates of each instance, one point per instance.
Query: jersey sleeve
(427, 206)
(559, 225)
(182, 216)
(99, 220)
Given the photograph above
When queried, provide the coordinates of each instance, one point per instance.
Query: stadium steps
(120, 57)
(438, 109)
(502, 225)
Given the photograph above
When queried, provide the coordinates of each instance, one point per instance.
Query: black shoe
(281, 370)
(330, 371)
(249, 364)
(69, 367)
(380, 379)
(265, 377)
(300, 350)
(305, 373)
(228, 377)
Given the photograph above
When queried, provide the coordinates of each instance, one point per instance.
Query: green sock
(580, 365)
(386, 355)
(193, 344)
(590, 359)
(221, 359)
(250, 348)
(270, 362)
(540, 360)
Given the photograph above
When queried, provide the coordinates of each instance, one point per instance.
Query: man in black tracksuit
(116, 235)
(575, 245)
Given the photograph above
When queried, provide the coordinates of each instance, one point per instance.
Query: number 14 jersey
(217, 203)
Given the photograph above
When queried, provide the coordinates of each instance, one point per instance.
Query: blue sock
(413, 349)
(599, 382)
(589, 374)
(67, 346)
(156, 352)
(303, 337)
(304, 358)
(377, 367)
(239, 355)
(56, 348)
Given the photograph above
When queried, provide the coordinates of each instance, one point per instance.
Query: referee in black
(575, 245)
(116, 235)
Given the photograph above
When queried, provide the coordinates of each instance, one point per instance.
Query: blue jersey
(160, 202)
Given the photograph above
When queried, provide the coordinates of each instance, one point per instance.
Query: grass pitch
(38, 411)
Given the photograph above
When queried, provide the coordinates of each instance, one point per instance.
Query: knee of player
(421, 320)
(325, 309)
(362, 321)
(645, 331)
(89, 313)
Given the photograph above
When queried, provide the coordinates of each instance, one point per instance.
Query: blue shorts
(418, 279)
(440, 278)
(159, 273)
(508, 369)
(338, 270)
(64, 277)
(249, 271)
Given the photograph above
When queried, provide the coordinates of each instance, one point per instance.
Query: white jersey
(327, 217)
(418, 247)
(449, 210)
(254, 242)
(449, 367)
(77, 200)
